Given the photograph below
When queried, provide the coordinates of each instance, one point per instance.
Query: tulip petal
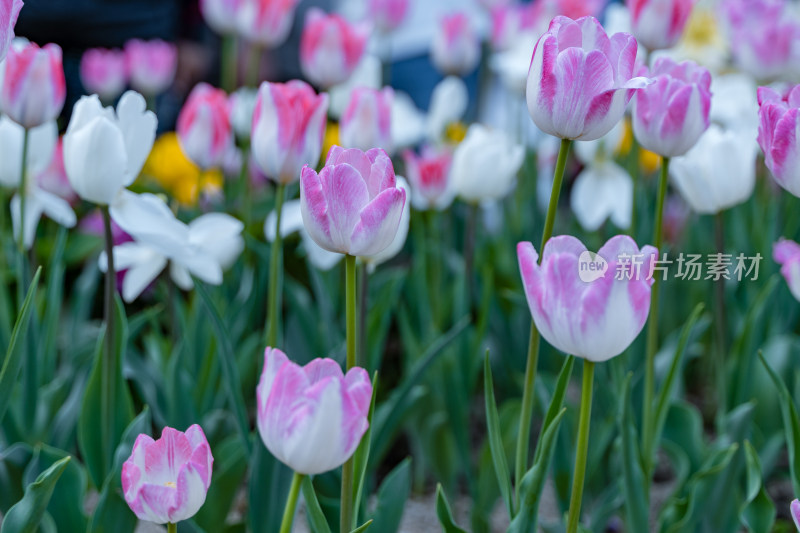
(138, 126)
(314, 209)
(378, 223)
(95, 160)
(347, 194)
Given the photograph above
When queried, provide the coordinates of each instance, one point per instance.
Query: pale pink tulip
(367, 121)
(387, 15)
(659, 24)
(580, 81)
(151, 65)
(795, 510)
(104, 72)
(509, 24)
(330, 48)
(288, 128)
(429, 176)
(574, 9)
(221, 15)
(353, 206)
(787, 254)
(456, 48)
(204, 126)
(588, 305)
(166, 480)
(9, 11)
(779, 116)
(311, 417)
(34, 88)
(670, 115)
(266, 22)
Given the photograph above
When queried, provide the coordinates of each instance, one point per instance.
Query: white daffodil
(292, 222)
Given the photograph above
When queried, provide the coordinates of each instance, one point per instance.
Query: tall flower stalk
(348, 469)
(291, 503)
(275, 264)
(576, 498)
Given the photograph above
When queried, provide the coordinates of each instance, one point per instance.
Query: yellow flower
(649, 161)
(182, 179)
(331, 139)
(455, 132)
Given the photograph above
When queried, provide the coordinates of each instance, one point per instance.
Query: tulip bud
(104, 72)
(151, 65)
(34, 88)
(659, 24)
(330, 48)
(429, 175)
(779, 116)
(9, 11)
(204, 127)
(456, 49)
(266, 22)
(367, 121)
(221, 15)
(353, 205)
(485, 165)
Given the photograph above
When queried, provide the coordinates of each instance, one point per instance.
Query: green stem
(172, 528)
(346, 512)
(469, 252)
(363, 303)
(583, 447)
(108, 368)
(253, 65)
(526, 412)
(291, 503)
(273, 314)
(22, 193)
(652, 329)
(718, 369)
(228, 63)
(633, 170)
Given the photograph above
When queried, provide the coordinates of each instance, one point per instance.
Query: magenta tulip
(311, 417)
(9, 11)
(151, 65)
(580, 80)
(456, 48)
(787, 254)
(367, 121)
(659, 24)
(387, 15)
(779, 116)
(288, 128)
(266, 22)
(670, 115)
(330, 48)
(166, 480)
(588, 305)
(353, 205)
(204, 127)
(34, 88)
(104, 72)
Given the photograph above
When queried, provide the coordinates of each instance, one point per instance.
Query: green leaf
(392, 497)
(66, 504)
(560, 392)
(316, 518)
(229, 469)
(496, 439)
(757, 513)
(361, 457)
(13, 361)
(636, 504)
(363, 527)
(444, 514)
(25, 515)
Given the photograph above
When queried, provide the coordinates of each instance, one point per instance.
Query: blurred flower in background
(265, 22)
(330, 48)
(34, 89)
(787, 254)
(430, 178)
(367, 121)
(387, 15)
(9, 11)
(176, 174)
(204, 127)
(221, 15)
(485, 165)
(779, 114)
(104, 72)
(151, 65)
(456, 48)
(659, 24)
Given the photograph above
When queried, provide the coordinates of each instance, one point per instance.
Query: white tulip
(485, 165)
(243, 106)
(448, 104)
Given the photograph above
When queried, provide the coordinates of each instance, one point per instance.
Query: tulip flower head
(104, 72)
(34, 88)
(787, 254)
(151, 65)
(672, 113)
(266, 22)
(659, 24)
(353, 205)
(288, 129)
(456, 48)
(204, 126)
(580, 80)
(779, 116)
(311, 417)
(367, 121)
(387, 15)
(429, 176)
(166, 480)
(485, 165)
(588, 305)
(9, 11)
(330, 48)
(221, 15)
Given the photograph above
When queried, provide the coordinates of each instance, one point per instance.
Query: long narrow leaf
(25, 515)
(496, 439)
(361, 457)
(636, 504)
(316, 518)
(444, 514)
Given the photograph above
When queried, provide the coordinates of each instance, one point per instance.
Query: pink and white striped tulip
(456, 48)
(670, 115)
(311, 417)
(429, 177)
(330, 48)
(9, 11)
(166, 480)
(221, 15)
(288, 129)
(387, 15)
(34, 88)
(104, 72)
(659, 24)
(509, 24)
(580, 80)
(353, 206)
(588, 305)
(779, 119)
(367, 121)
(266, 22)
(151, 65)
(787, 254)
(204, 126)
(795, 510)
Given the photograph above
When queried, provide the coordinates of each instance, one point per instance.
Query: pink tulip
(588, 305)
(151, 65)
(779, 116)
(34, 88)
(266, 22)
(387, 15)
(795, 510)
(221, 15)
(580, 80)
(456, 48)
(574, 9)
(367, 121)
(288, 129)
(9, 11)
(429, 176)
(330, 48)
(166, 480)
(353, 205)
(509, 23)
(671, 114)
(104, 72)
(204, 127)
(659, 24)
(787, 254)
(311, 417)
